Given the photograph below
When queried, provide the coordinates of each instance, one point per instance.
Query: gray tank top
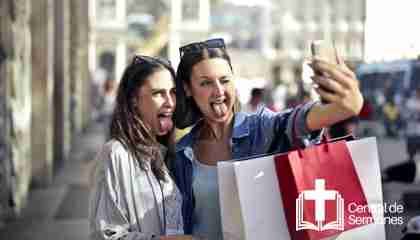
(207, 221)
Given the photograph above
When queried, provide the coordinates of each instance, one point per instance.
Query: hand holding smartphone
(326, 51)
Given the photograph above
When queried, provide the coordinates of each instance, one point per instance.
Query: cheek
(199, 93)
(157, 104)
(147, 108)
(201, 97)
(174, 100)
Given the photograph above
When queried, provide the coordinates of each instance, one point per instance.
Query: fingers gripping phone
(326, 51)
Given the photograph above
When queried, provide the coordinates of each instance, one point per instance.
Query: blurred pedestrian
(413, 125)
(133, 195)
(108, 98)
(207, 100)
(391, 115)
(108, 103)
(408, 171)
(255, 103)
(98, 79)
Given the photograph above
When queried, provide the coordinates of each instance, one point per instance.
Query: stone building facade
(15, 105)
(44, 92)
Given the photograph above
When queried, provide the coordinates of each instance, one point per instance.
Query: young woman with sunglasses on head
(207, 100)
(133, 195)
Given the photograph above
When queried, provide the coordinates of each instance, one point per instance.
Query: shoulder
(114, 148)
(113, 156)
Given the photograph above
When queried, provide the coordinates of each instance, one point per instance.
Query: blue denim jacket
(252, 134)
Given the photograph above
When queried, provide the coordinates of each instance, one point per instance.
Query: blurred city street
(392, 152)
(61, 63)
(60, 211)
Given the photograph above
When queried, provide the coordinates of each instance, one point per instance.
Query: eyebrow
(208, 78)
(160, 89)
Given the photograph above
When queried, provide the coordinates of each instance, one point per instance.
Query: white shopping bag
(251, 203)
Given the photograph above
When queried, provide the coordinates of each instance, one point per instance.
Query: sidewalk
(60, 211)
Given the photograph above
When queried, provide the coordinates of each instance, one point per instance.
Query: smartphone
(326, 51)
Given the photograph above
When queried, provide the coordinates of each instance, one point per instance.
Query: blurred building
(157, 28)
(247, 29)
(269, 39)
(44, 92)
(296, 23)
(189, 21)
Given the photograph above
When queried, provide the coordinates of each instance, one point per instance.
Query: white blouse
(127, 202)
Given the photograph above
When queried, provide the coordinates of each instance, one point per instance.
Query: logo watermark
(319, 195)
(356, 214)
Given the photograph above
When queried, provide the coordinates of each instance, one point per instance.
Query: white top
(128, 202)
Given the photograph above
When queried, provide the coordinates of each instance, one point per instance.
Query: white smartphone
(324, 50)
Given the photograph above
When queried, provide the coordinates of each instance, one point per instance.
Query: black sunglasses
(197, 47)
(140, 59)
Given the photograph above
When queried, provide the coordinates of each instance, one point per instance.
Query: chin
(222, 119)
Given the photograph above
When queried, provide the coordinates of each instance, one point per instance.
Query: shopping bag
(317, 183)
(252, 205)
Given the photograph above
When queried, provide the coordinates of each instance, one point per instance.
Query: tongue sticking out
(220, 109)
(165, 124)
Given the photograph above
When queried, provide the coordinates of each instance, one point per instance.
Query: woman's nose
(219, 89)
(170, 100)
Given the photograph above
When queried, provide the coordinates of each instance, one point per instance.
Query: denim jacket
(252, 134)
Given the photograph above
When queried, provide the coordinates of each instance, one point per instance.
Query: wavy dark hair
(186, 106)
(127, 125)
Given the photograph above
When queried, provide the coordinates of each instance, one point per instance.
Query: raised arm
(339, 87)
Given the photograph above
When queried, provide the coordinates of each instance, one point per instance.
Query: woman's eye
(225, 81)
(205, 83)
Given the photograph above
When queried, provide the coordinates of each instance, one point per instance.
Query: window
(106, 9)
(190, 10)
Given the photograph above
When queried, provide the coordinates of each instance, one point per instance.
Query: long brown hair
(186, 106)
(127, 125)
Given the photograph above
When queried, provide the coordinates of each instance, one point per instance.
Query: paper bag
(252, 204)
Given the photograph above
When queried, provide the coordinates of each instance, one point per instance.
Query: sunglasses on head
(197, 47)
(140, 59)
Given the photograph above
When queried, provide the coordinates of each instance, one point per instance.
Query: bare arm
(343, 95)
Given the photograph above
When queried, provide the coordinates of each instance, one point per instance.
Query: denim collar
(240, 130)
